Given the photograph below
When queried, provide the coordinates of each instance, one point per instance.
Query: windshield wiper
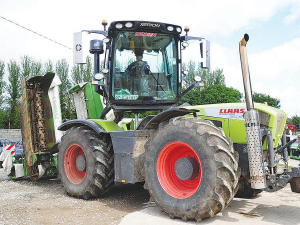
(147, 71)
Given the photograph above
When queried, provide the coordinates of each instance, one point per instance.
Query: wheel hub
(81, 163)
(186, 168)
(179, 170)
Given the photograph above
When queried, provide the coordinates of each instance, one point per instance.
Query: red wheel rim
(167, 177)
(74, 175)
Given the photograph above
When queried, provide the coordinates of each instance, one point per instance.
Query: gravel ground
(46, 202)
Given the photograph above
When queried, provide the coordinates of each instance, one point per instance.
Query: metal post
(285, 153)
(271, 151)
(96, 63)
(136, 120)
(96, 68)
(246, 73)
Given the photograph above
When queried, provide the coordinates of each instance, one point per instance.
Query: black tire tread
(226, 159)
(103, 173)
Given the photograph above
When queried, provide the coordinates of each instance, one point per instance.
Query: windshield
(144, 66)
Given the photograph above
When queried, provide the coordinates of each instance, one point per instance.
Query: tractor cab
(142, 64)
(144, 68)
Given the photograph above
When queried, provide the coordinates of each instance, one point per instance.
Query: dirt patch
(46, 202)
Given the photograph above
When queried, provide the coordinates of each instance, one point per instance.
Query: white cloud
(295, 13)
(228, 59)
(224, 17)
(275, 72)
(209, 17)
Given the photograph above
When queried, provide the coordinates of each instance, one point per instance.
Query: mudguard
(164, 116)
(99, 126)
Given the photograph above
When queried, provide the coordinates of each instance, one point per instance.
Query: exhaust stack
(254, 143)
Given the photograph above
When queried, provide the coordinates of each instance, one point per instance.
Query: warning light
(104, 24)
(186, 29)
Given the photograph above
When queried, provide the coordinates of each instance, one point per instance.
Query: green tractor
(192, 160)
(187, 163)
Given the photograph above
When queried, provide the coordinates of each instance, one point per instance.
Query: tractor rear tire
(191, 168)
(85, 163)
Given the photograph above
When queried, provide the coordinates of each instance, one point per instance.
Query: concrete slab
(282, 207)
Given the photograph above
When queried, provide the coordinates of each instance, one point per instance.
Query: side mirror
(96, 46)
(79, 48)
(205, 54)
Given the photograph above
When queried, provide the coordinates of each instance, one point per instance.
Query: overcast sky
(273, 27)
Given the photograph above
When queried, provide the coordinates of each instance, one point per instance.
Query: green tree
(193, 98)
(4, 118)
(76, 74)
(14, 88)
(188, 80)
(2, 88)
(219, 93)
(36, 69)
(2, 82)
(26, 66)
(83, 72)
(49, 67)
(295, 120)
(262, 98)
(213, 94)
(212, 78)
(67, 108)
(88, 71)
(207, 77)
(62, 70)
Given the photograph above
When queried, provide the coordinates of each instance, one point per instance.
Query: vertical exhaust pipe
(254, 143)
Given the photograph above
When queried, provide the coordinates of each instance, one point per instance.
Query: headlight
(178, 29)
(119, 25)
(99, 76)
(170, 28)
(128, 24)
(104, 70)
(197, 79)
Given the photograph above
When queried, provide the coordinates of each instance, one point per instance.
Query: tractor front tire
(85, 163)
(191, 169)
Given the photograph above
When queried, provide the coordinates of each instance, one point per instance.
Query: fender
(166, 115)
(99, 126)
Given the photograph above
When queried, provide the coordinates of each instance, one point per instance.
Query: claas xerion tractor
(192, 160)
